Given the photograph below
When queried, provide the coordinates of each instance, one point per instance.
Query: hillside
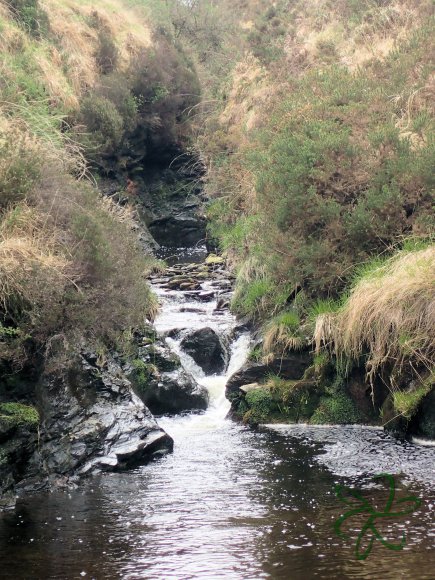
(320, 161)
(87, 94)
(308, 128)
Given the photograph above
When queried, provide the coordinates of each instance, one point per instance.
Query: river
(230, 503)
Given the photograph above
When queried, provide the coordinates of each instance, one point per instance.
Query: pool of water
(231, 503)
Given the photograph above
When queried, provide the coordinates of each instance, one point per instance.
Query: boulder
(18, 442)
(207, 350)
(173, 392)
(291, 367)
(423, 424)
(178, 230)
(161, 356)
(91, 420)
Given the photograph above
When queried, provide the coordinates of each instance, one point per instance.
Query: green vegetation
(407, 402)
(338, 409)
(280, 401)
(320, 162)
(140, 112)
(80, 89)
(15, 414)
(31, 16)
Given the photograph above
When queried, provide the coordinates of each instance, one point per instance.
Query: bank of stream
(229, 502)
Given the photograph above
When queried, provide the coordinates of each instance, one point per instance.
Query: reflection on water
(229, 504)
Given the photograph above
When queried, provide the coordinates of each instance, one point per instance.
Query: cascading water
(179, 312)
(229, 503)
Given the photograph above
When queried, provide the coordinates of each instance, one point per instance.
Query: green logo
(363, 507)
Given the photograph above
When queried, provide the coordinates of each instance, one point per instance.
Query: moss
(141, 374)
(18, 414)
(212, 259)
(262, 406)
(280, 401)
(338, 409)
(407, 402)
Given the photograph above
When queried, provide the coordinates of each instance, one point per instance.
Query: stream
(230, 502)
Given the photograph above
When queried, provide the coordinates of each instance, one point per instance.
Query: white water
(173, 316)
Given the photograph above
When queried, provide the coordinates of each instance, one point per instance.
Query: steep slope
(85, 91)
(320, 159)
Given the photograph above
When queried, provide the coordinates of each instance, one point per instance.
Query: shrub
(107, 54)
(104, 124)
(338, 409)
(19, 167)
(282, 334)
(32, 17)
(387, 314)
(18, 414)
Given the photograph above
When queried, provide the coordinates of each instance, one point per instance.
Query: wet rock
(206, 296)
(223, 302)
(291, 367)
(178, 230)
(18, 442)
(173, 393)
(423, 424)
(161, 356)
(89, 416)
(207, 350)
(367, 400)
(213, 259)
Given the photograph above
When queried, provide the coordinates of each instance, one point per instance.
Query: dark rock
(207, 350)
(91, 420)
(18, 442)
(367, 401)
(423, 424)
(173, 393)
(206, 296)
(292, 367)
(178, 230)
(223, 302)
(161, 356)
(394, 423)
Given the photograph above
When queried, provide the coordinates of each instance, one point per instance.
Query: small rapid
(229, 503)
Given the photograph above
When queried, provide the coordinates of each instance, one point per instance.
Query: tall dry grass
(33, 269)
(389, 315)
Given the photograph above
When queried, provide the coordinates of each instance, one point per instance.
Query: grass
(282, 334)
(18, 414)
(337, 409)
(407, 402)
(388, 315)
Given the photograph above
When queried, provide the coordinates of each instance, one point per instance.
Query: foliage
(19, 168)
(261, 406)
(338, 409)
(282, 334)
(139, 113)
(387, 314)
(334, 170)
(407, 402)
(31, 16)
(18, 414)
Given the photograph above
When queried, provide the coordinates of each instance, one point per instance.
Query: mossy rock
(213, 260)
(338, 409)
(263, 407)
(16, 414)
(424, 423)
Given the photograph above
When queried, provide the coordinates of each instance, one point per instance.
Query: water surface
(229, 503)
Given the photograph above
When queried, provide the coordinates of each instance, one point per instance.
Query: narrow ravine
(230, 502)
